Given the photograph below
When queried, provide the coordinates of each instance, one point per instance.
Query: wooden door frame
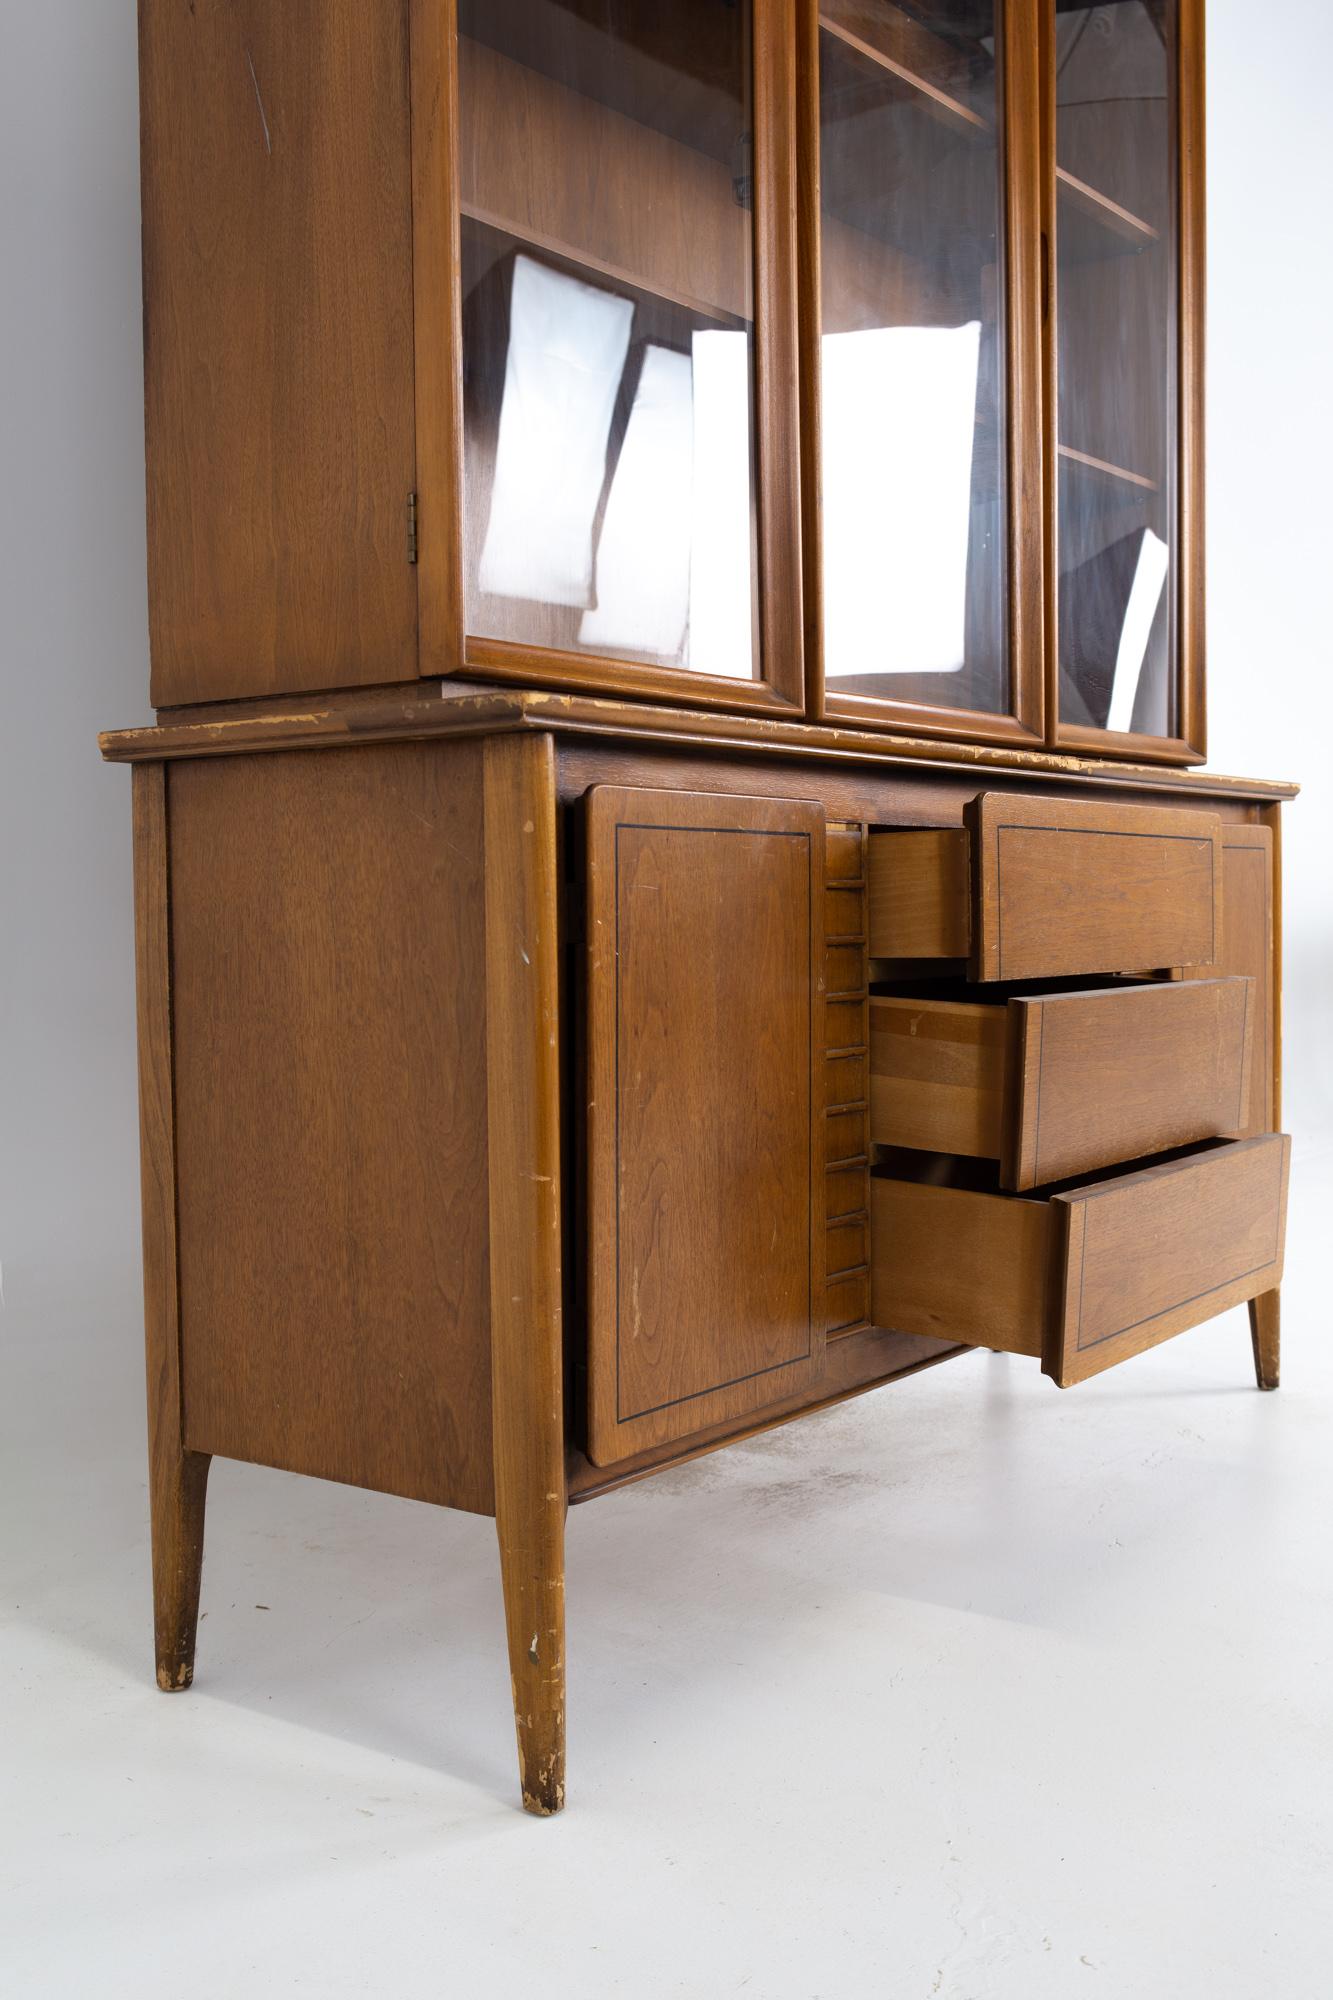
(446, 648)
(1190, 744)
(1025, 723)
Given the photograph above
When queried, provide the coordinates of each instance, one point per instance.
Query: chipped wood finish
(395, 717)
(177, 1478)
(527, 1351)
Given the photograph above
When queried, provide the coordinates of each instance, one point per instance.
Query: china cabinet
(668, 890)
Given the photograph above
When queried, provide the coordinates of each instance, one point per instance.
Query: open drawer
(1060, 1083)
(1083, 1276)
(1035, 888)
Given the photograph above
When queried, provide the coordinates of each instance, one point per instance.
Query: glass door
(1124, 235)
(926, 561)
(626, 191)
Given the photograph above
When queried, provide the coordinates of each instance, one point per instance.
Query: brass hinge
(411, 527)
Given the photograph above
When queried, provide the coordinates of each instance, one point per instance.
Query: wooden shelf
(1102, 468)
(1094, 226)
(847, 22)
(581, 259)
(584, 183)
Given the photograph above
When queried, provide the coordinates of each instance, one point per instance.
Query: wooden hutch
(669, 887)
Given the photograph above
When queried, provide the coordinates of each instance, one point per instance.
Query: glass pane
(608, 258)
(1115, 237)
(914, 483)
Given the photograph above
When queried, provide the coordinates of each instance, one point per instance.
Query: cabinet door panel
(626, 248)
(1126, 177)
(705, 1191)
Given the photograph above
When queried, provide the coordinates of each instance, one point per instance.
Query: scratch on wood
(263, 115)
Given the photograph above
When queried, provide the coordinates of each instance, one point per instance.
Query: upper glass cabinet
(839, 357)
(1116, 539)
(612, 197)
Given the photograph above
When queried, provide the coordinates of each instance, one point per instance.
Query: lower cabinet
(815, 1106)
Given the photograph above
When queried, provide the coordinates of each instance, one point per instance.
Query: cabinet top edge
(321, 725)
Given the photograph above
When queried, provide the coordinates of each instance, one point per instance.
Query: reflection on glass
(913, 473)
(608, 355)
(1116, 184)
(902, 397)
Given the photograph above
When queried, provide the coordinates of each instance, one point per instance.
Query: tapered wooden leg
(523, 1131)
(177, 1478)
(1266, 1338)
(178, 1490)
(532, 1571)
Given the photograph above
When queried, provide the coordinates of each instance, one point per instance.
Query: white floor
(969, 1688)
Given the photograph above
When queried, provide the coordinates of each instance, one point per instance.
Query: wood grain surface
(706, 1164)
(277, 231)
(329, 988)
(1069, 886)
(177, 1478)
(527, 1333)
(1118, 1074)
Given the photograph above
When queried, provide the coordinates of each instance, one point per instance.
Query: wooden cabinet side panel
(277, 228)
(706, 1198)
(328, 958)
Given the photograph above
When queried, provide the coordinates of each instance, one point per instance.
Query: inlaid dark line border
(1239, 1277)
(1096, 833)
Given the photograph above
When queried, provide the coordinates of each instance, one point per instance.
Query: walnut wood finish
(177, 1477)
(1061, 886)
(1095, 1274)
(1102, 1077)
(1157, 1252)
(706, 1201)
(1063, 1083)
(920, 894)
(278, 287)
(392, 716)
(329, 997)
(937, 1075)
(527, 1347)
(846, 1132)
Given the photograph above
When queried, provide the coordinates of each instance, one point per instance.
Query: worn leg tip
(1268, 1385)
(544, 1805)
(174, 1676)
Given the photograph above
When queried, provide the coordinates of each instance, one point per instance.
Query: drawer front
(1039, 888)
(1091, 1276)
(1060, 886)
(1159, 1251)
(1062, 1084)
(1118, 1075)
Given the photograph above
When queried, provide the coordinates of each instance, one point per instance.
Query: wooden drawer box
(1061, 1083)
(1038, 888)
(1089, 1275)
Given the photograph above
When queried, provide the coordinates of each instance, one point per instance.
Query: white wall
(72, 595)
